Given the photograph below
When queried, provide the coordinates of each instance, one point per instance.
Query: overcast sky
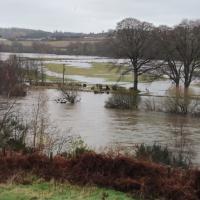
(92, 15)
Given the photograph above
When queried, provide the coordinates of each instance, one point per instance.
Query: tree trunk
(177, 84)
(187, 77)
(135, 86)
(187, 85)
(186, 99)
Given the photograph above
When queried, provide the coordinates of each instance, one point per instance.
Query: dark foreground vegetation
(142, 179)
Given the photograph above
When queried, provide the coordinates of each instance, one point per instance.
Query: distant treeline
(100, 48)
(79, 43)
(21, 33)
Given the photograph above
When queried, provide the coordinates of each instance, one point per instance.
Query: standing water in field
(100, 127)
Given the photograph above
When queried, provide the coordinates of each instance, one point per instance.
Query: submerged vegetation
(123, 99)
(70, 93)
(176, 101)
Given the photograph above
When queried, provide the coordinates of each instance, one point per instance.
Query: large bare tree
(132, 40)
(186, 37)
(169, 65)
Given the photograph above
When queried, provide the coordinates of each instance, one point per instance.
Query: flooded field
(78, 61)
(154, 88)
(101, 127)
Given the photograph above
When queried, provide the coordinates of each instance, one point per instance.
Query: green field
(100, 70)
(52, 191)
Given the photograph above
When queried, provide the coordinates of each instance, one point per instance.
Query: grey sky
(92, 15)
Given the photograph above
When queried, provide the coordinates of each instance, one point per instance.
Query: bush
(12, 132)
(176, 102)
(150, 104)
(181, 102)
(145, 179)
(70, 92)
(18, 90)
(157, 153)
(75, 148)
(12, 76)
(123, 99)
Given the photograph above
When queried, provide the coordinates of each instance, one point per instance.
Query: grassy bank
(125, 174)
(52, 191)
(100, 70)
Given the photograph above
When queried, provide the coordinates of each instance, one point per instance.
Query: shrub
(123, 99)
(18, 90)
(12, 132)
(150, 104)
(176, 102)
(157, 153)
(75, 148)
(70, 92)
(145, 179)
(181, 101)
(12, 76)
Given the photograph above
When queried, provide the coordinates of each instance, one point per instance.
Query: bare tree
(39, 122)
(132, 40)
(12, 77)
(169, 66)
(186, 38)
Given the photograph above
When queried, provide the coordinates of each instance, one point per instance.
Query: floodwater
(76, 61)
(153, 88)
(100, 127)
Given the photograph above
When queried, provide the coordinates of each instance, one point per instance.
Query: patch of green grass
(100, 70)
(55, 79)
(52, 191)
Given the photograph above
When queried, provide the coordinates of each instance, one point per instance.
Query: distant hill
(30, 34)
(20, 40)
(16, 33)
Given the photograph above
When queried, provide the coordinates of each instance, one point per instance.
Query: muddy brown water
(100, 127)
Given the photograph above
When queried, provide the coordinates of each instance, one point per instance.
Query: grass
(100, 70)
(52, 191)
(56, 79)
